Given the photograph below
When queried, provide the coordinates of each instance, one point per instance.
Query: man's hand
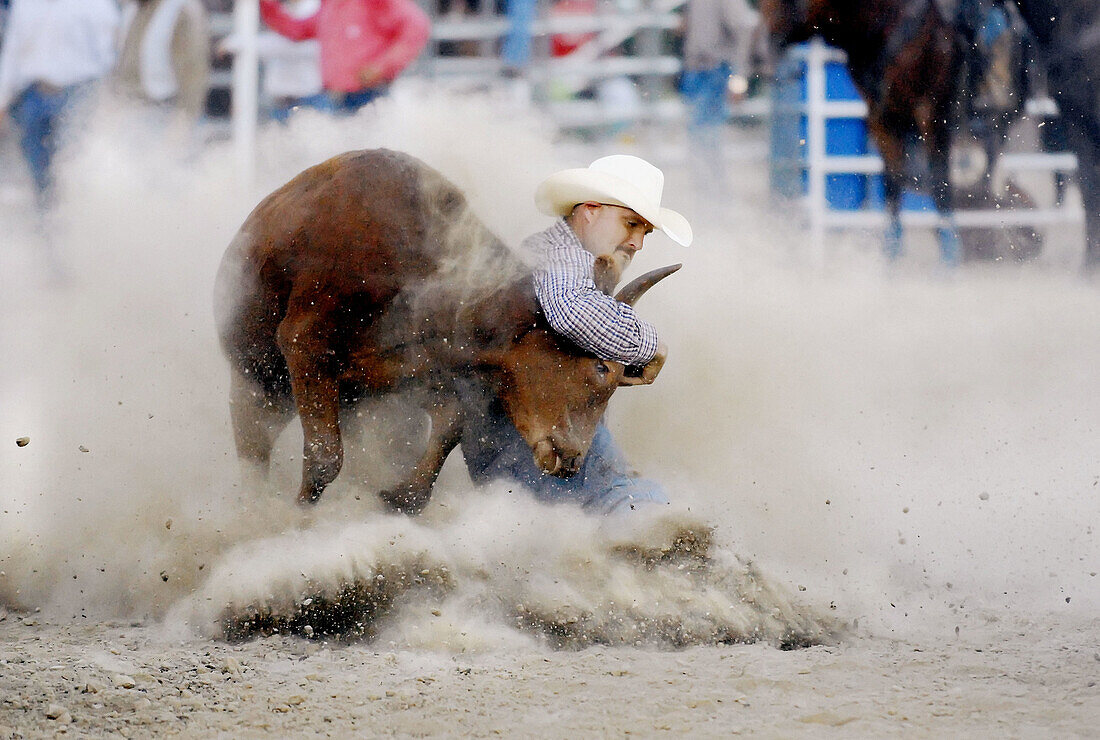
(650, 370)
(737, 89)
(370, 76)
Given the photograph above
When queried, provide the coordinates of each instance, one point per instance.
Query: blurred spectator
(165, 55)
(51, 56)
(291, 69)
(515, 51)
(718, 43)
(563, 44)
(365, 44)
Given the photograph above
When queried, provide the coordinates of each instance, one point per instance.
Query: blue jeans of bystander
(39, 112)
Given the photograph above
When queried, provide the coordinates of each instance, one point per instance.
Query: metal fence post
(246, 76)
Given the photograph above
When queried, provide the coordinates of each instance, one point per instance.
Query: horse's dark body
(909, 57)
(921, 67)
(1067, 33)
(906, 61)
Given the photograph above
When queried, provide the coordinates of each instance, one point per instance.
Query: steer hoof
(309, 496)
(406, 500)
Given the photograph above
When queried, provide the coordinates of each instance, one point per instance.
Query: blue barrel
(843, 136)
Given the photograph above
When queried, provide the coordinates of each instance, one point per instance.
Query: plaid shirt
(580, 311)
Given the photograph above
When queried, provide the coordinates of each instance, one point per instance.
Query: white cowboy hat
(618, 180)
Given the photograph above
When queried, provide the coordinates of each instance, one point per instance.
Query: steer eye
(602, 368)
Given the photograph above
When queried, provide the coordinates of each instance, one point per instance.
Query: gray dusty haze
(902, 464)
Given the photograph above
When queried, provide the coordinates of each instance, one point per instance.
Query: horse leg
(257, 421)
(892, 238)
(412, 494)
(933, 128)
(1083, 134)
(948, 230)
(304, 337)
(1091, 199)
(892, 150)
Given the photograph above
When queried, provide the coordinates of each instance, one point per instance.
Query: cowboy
(605, 210)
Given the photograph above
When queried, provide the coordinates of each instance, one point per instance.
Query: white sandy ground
(1005, 678)
(901, 463)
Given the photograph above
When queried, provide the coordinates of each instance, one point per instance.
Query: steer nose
(570, 466)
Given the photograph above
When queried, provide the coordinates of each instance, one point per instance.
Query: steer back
(369, 274)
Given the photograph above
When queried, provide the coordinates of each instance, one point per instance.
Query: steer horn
(637, 287)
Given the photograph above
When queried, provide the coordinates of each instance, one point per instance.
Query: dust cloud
(891, 448)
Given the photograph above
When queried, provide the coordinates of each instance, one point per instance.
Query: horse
(1067, 36)
(909, 63)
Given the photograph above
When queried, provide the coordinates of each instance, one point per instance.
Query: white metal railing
(617, 27)
(589, 63)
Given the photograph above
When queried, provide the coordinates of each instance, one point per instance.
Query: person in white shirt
(164, 57)
(52, 52)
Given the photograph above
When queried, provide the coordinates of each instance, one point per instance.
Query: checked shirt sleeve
(580, 311)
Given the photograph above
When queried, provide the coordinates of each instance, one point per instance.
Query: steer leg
(412, 494)
(257, 421)
(304, 338)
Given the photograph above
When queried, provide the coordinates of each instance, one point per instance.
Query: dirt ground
(1011, 678)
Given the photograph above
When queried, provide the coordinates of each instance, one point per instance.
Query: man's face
(612, 231)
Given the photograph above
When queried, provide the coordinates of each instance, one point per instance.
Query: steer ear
(490, 359)
(637, 287)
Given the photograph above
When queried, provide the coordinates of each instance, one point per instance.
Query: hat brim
(559, 193)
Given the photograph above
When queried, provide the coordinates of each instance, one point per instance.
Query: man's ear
(606, 274)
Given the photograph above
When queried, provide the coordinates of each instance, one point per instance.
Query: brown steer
(368, 274)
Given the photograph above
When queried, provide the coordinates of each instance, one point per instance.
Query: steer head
(555, 394)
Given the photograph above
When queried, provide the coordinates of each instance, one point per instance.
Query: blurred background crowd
(689, 75)
(597, 67)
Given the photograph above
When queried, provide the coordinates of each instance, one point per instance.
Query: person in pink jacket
(365, 44)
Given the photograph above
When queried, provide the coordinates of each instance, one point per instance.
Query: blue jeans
(705, 93)
(705, 90)
(39, 113)
(353, 101)
(282, 108)
(494, 450)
